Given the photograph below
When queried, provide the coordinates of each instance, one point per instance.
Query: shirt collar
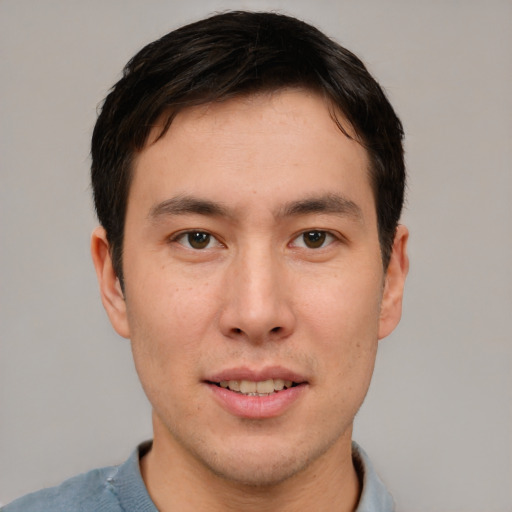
(374, 495)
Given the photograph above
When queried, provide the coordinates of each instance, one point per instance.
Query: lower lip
(257, 407)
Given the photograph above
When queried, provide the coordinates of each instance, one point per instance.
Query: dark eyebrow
(182, 205)
(328, 203)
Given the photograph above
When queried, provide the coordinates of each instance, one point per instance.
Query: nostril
(275, 329)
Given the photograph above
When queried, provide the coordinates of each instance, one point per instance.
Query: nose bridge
(257, 307)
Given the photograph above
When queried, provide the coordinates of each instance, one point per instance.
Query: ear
(110, 287)
(391, 306)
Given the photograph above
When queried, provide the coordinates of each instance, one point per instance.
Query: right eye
(197, 240)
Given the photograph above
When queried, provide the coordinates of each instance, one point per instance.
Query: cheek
(344, 303)
(342, 318)
(168, 319)
(345, 338)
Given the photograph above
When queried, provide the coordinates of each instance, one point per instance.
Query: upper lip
(256, 375)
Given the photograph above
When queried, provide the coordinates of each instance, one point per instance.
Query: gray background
(438, 418)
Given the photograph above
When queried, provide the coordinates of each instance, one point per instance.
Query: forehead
(266, 141)
(290, 102)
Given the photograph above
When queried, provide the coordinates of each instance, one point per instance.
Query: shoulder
(88, 492)
(111, 489)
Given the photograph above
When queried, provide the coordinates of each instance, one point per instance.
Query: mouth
(261, 388)
(257, 394)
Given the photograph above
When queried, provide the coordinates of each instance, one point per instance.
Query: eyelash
(187, 234)
(325, 236)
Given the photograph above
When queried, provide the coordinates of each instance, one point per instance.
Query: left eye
(197, 240)
(314, 239)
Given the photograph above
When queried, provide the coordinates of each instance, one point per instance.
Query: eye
(313, 239)
(197, 240)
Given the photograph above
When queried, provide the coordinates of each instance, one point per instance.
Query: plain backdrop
(438, 418)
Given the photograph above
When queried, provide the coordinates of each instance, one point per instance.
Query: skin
(257, 296)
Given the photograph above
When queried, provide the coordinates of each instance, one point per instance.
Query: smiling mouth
(259, 388)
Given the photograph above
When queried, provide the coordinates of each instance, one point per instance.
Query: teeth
(261, 388)
(234, 385)
(265, 386)
(279, 384)
(246, 386)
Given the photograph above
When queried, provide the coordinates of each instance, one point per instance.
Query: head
(236, 54)
(248, 175)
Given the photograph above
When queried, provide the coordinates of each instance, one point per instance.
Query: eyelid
(335, 237)
(176, 238)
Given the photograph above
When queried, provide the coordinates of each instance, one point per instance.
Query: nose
(257, 305)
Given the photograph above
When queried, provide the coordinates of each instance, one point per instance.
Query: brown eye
(198, 239)
(314, 239)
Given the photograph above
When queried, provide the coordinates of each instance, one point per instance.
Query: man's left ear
(391, 306)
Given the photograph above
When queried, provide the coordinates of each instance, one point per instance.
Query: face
(254, 288)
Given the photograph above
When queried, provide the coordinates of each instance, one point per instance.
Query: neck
(178, 482)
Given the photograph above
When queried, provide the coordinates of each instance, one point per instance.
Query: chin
(263, 464)
(261, 471)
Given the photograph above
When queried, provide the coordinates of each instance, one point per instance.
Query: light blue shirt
(121, 489)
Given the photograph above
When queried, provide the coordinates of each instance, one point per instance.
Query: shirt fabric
(121, 489)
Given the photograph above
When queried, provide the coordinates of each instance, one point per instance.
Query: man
(248, 176)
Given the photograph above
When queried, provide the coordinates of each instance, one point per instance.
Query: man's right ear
(110, 287)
